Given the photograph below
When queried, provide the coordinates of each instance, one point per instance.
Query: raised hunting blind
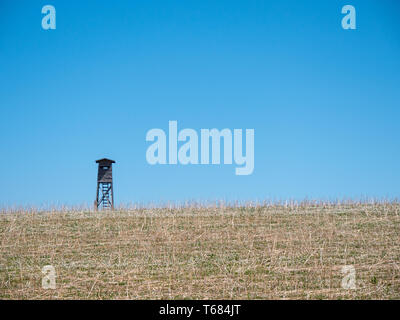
(105, 190)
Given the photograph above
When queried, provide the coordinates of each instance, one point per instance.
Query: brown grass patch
(262, 252)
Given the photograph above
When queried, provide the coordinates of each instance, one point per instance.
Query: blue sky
(323, 101)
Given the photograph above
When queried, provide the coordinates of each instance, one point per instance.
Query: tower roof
(105, 160)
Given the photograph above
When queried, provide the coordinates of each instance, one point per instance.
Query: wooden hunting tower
(105, 185)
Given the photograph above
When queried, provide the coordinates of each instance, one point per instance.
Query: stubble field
(294, 251)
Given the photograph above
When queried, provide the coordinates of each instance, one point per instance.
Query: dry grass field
(293, 251)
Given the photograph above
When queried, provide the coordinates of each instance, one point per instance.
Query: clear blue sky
(324, 102)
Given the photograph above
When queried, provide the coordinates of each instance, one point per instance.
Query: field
(292, 251)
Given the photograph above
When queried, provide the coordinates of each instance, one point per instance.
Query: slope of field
(272, 252)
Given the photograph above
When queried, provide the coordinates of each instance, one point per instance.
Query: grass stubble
(283, 251)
